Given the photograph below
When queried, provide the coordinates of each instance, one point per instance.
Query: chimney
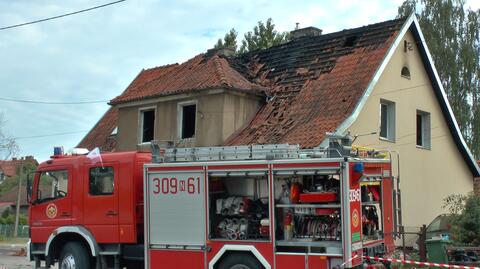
(307, 31)
(227, 52)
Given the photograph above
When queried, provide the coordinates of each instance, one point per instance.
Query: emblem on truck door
(355, 218)
(51, 211)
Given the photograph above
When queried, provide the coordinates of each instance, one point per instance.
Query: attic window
(147, 125)
(350, 41)
(187, 114)
(405, 72)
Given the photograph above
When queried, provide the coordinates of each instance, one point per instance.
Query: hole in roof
(405, 72)
(350, 41)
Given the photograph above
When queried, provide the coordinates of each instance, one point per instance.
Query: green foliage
(11, 182)
(263, 36)
(229, 41)
(8, 217)
(452, 33)
(466, 228)
(464, 218)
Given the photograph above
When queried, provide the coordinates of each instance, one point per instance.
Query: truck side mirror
(29, 187)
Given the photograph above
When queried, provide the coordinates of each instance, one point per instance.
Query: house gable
(411, 27)
(431, 170)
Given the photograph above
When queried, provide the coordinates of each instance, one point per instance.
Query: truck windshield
(52, 185)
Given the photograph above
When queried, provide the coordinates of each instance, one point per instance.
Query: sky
(93, 56)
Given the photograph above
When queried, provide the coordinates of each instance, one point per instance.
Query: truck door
(101, 201)
(52, 205)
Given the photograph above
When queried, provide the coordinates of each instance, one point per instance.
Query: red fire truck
(261, 206)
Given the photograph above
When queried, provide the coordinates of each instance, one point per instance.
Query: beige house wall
(219, 114)
(427, 175)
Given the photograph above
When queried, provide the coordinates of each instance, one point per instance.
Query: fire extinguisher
(288, 226)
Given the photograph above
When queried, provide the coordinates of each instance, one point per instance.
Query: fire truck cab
(86, 213)
(266, 206)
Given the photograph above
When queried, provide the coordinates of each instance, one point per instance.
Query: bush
(9, 218)
(464, 218)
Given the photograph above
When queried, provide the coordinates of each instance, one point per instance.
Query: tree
(452, 34)
(464, 218)
(263, 36)
(229, 41)
(8, 146)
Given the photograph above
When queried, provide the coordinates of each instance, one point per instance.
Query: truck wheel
(74, 256)
(239, 261)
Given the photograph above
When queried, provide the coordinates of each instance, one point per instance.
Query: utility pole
(17, 208)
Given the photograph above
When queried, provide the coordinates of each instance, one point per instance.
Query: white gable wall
(427, 175)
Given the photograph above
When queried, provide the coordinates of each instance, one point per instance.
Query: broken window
(188, 113)
(423, 129)
(147, 125)
(387, 120)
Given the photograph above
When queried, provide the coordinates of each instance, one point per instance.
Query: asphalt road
(8, 260)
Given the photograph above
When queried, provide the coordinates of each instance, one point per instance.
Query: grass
(13, 240)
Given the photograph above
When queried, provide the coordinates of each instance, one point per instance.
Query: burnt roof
(313, 82)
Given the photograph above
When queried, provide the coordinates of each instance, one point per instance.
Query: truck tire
(74, 256)
(239, 261)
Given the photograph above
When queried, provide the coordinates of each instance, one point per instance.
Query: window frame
(141, 112)
(426, 129)
(180, 106)
(391, 121)
(113, 181)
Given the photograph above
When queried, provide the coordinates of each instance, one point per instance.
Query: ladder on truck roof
(162, 153)
(228, 153)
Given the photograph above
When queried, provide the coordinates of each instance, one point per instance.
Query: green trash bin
(436, 250)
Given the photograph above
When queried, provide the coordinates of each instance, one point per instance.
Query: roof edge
(443, 100)
(349, 121)
(95, 126)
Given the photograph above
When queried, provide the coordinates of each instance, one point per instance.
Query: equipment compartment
(308, 213)
(239, 206)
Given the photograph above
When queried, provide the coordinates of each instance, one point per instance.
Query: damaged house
(377, 81)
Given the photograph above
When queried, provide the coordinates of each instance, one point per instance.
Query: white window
(187, 116)
(423, 129)
(387, 120)
(147, 124)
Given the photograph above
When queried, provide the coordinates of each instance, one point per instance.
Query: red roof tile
(201, 72)
(9, 167)
(101, 134)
